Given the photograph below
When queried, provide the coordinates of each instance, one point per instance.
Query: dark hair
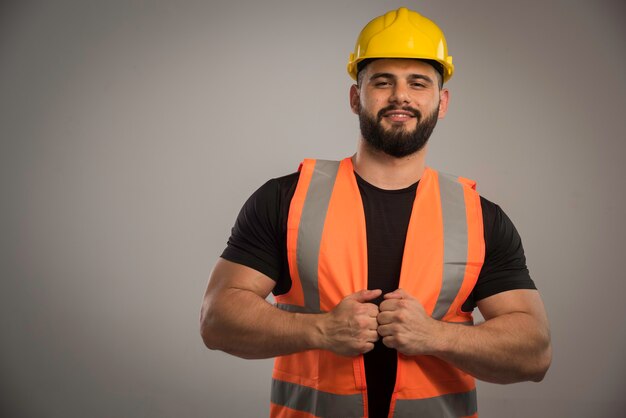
(436, 65)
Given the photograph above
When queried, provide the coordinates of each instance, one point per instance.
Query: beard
(397, 141)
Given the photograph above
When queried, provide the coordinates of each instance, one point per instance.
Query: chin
(408, 126)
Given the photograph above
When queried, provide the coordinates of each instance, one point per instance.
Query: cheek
(373, 105)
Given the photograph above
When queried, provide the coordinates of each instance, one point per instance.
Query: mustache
(411, 110)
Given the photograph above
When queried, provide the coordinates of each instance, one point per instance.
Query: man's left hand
(404, 325)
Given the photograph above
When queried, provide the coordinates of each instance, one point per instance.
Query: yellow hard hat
(402, 33)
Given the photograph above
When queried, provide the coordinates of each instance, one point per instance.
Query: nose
(400, 94)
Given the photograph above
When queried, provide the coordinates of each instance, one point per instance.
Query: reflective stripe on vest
(325, 404)
(327, 255)
(309, 236)
(315, 402)
(455, 242)
(451, 405)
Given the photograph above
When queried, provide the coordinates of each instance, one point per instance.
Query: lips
(399, 115)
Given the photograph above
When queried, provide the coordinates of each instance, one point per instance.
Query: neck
(385, 171)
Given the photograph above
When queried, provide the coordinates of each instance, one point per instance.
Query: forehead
(400, 67)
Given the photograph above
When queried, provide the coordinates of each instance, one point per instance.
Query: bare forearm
(510, 348)
(245, 325)
(236, 318)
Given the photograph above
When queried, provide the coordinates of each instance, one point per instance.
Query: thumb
(365, 295)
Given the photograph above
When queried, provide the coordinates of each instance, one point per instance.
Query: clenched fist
(351, 327)
(404, 325)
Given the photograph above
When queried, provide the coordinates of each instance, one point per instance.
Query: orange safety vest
(327, 254)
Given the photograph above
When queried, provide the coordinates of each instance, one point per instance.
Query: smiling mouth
(398, 115)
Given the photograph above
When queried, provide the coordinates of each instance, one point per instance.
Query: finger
(389, 342)
(368, 347)
(365, 295)
(397, 294)
(389, 305)
(385, 330)
(385, 318)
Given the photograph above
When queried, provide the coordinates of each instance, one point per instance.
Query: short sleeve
(255, 237)
(505, 263)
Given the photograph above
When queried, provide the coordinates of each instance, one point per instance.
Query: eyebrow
(410, 77)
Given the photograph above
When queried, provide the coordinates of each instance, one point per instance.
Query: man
(377, 261)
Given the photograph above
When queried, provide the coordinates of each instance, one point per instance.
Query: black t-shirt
(258, 240)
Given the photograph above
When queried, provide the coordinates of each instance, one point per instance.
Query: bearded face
(396, 140)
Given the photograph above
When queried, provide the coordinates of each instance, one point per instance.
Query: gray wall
(132, 133)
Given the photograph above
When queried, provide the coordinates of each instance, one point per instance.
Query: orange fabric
(299, 368)
(475, 250)
(427, 376)
(344, 233)
(342, 270)
(424, 237)
(342, 369)
(296, 296)
(279, 411)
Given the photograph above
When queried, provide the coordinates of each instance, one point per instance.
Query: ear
(355, 99)
(444, 98)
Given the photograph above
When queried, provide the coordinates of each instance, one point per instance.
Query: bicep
(228, 276)
(504, 267)
(233, 296)
(526, 301)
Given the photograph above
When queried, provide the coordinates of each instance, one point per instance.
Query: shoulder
(491, 211)
(272, 193)
(504, 266)
(268, 207)
(286, 185)
(499, 229)
(257, 238)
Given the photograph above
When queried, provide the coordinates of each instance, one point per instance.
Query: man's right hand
(351, 327)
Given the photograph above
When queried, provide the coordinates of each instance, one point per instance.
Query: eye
(382, 83)
(418, 85)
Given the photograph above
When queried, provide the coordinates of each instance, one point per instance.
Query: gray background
(132, 133)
